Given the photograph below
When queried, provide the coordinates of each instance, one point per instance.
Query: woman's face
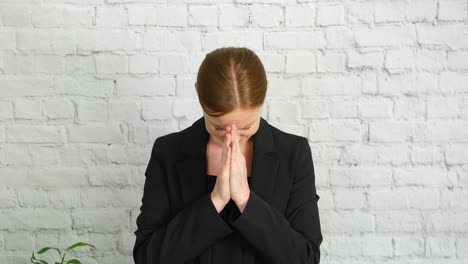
(246, 120)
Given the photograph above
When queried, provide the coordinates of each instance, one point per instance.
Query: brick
(349, 199)
(426, 155)
(100, 220)
(56, 108)
(70, 85)
(48, 64)
(112, 16)
(79, 64)
(387, 199)
(330, 15)
(453, 36)
(202, 15)
(421, 10)
(109, 175)
(294, 40)
(111, 64)
(58, 176)
(30, 218)
(365, 60)
(431, 60)
(174, 15)
(16, 15)
(143, 64)
(407, 245)
(441, 131)
(96, 133)
(33, 197)
(28, 108)
(7, 197)
(19, 241)
(267, 16)
(421, 176)
(390, 131)
(344, 108)
(398, 221)
(284, 112)
(452, 10)
(315, 109)
(383, 36)
(23, 133)
(107, 40)
(127, 86)
(456, 154)
(446, 221)
(377, 246)
(230, 16)
(276, 87)
(408, 108)
(57, 41)
(6, 110)
(188, 108)
(141, 15)
(91, 110)
(339, 38)
(335, 130)
(423, 199)
(360, 176)
(347, 221)
(375, 107)
(440, 246)
(332, 86)
(389, 11)
(62, 16)
(445, 107)
(121, 109)
(8, 40)
(331, 62)
(303, 16)
(458, 60)
(344, 246)
(25, 86)
(173, 64)
(453, 83)
(300, 62)
(399, 60)
(157, 108)
(360, 12)
(454, 199)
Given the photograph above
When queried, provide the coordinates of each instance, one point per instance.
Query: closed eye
(219, 129)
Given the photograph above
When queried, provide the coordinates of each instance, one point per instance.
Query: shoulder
(168, 146)
(285, 141)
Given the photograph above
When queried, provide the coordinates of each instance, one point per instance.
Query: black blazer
(178, 221)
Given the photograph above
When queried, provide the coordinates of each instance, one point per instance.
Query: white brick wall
(379, 87)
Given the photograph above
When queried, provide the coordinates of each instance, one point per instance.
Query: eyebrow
(242, 128)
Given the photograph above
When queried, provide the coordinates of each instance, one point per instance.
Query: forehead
(244, 123)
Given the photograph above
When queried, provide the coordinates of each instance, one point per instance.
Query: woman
(231, 188)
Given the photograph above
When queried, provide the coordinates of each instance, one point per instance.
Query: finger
(236, 133)
(229, 157)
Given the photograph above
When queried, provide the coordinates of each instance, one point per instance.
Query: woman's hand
(238, 183)
(221, 193)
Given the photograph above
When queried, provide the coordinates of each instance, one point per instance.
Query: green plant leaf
(74, 261)
(79, 244)
(47, 248)
(37, 261)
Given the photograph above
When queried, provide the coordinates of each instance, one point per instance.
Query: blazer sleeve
(163, 239)
(291, 238)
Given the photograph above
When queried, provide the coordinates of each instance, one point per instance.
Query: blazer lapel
(191, 169)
